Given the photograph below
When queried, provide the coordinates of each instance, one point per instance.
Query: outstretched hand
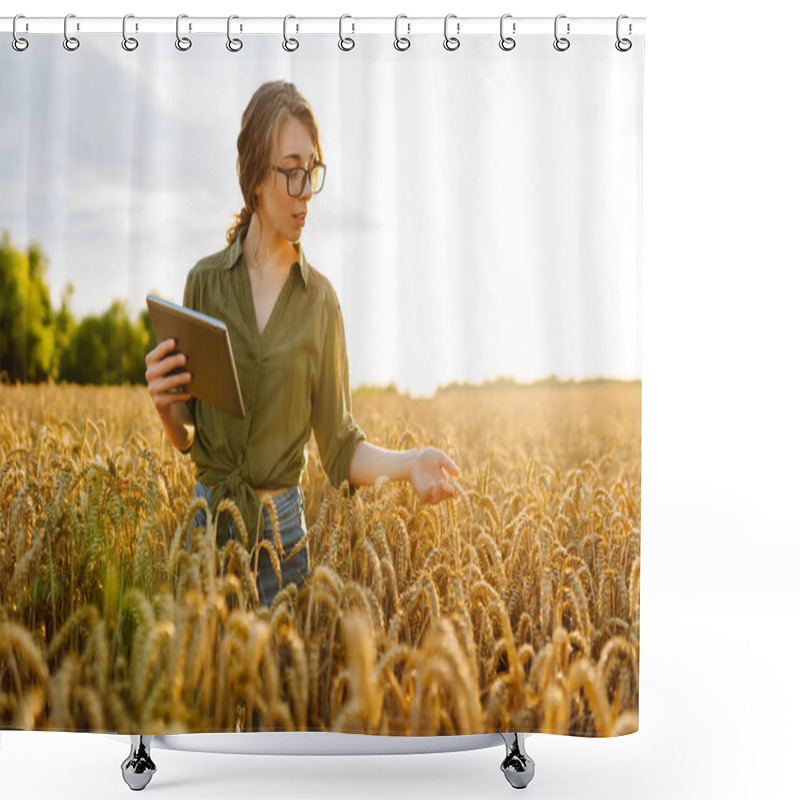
(429, 475)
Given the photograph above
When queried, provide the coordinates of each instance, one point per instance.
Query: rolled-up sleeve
(336, 431)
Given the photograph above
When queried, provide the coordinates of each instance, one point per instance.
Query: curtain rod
(460, 26)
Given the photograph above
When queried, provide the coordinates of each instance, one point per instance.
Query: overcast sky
(481, 212)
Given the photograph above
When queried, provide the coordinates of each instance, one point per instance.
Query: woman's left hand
(428, 475)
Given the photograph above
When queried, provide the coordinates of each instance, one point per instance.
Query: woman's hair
(271, 104)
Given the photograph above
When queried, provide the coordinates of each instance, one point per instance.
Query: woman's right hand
(165, 389)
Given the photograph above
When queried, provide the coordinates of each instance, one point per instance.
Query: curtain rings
(623, 45)
(129, 43)
(401, 43)
(561, 43)
(506, 42)
(234, 45)
(18, 43)
(346, 43)
(451, 42)
(70, 42)
(182, 42)
(290, 45)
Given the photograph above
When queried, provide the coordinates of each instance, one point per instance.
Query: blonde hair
(271, 104)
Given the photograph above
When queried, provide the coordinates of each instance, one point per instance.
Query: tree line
(40, 343)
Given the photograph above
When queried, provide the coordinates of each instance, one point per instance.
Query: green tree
(65, 330)
(27, 322)
(37, 343)
(107, 349)
(146, 321)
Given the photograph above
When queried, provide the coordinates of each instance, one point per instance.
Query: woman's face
(278, 212)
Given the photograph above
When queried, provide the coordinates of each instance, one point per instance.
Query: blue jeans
(290, 509)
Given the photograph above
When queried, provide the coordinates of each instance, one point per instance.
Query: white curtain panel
(481, 215)
(481, 227)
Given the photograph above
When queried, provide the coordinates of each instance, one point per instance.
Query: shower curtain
(454, 433)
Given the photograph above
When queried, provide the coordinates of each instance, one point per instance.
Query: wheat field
(514, 607)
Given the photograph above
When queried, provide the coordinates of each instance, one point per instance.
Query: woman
(287, 336)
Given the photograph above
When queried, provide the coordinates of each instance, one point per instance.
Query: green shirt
(293, 376)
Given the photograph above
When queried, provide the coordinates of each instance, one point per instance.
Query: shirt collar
(234, 252)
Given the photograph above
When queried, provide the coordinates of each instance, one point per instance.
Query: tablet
(207, 346)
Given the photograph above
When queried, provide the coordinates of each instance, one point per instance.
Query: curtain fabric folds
(479, 229)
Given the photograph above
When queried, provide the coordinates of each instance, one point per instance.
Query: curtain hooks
(290, 45)
(451, 42)
(561, 43)
(182, 42)
(506, 42)
(401, 43)
(70, 42)
(129, 43)
(346, 43)
(234, 45)
(623, 45)
(18, 43)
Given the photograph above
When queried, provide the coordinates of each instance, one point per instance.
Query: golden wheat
(514, 605)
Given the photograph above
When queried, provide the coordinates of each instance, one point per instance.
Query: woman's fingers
(158, 365)
(439, 491)
(430, 481)
(159, 351)
(165, 389)
(448, 490)
(448, 464)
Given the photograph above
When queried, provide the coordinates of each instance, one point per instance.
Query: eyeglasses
(296, 178)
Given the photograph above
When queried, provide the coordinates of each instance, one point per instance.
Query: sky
(481, 215)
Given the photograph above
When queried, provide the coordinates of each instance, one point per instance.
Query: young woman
(287, 336)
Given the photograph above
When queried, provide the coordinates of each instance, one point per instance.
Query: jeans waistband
(283, 502)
